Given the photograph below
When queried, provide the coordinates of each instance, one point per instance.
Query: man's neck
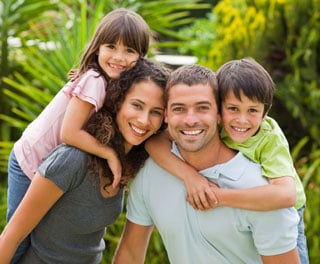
(210, 156)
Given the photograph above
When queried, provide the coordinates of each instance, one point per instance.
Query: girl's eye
(131, 51)
(110, 46)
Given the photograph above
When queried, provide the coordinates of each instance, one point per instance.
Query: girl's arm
(279, 193)
(40, 197)
(199, 193)
(72, 133)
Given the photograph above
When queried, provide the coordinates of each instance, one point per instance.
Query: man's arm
(133, 244)
(291, 257)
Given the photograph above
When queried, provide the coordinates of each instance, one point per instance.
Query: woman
(71, 200)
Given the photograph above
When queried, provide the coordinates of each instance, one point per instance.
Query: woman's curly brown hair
(103, 127)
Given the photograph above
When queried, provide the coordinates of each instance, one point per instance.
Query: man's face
(192, 117)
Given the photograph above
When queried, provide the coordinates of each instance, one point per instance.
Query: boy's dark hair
(248, 77)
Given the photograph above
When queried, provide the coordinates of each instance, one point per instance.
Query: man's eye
(177, 109)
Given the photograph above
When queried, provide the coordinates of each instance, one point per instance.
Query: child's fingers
(116, 180)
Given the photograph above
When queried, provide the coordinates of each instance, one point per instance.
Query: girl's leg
(18, 184)
(302, 241)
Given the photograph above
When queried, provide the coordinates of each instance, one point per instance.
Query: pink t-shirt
(43, 134)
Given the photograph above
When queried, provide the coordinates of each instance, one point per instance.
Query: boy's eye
(252, 110)
(232, 108)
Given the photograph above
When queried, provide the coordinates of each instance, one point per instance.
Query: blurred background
(41, 40)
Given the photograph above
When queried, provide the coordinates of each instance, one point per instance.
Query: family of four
(219, 184)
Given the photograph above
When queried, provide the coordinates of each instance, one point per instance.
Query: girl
(70, 201)
(121, 38)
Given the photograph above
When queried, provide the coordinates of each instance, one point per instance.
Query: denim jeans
(302, 241)
(18, 184)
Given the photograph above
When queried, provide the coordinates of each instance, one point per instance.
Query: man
(157, 198)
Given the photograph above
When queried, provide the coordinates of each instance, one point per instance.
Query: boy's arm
(290, 257)
(279, 193)
(133, 244)
(40, 197)
(199, 193)
(72, 133)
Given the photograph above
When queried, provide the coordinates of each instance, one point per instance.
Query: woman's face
(141, 114)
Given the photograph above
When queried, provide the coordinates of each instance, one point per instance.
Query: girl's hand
(116, 169)
(200, 193)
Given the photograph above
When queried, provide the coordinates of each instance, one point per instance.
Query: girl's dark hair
(103, 127)
(248, 77)
(120, 24)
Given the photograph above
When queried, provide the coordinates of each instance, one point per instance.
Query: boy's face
(241, 119)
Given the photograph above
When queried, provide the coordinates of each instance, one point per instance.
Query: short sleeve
(90, 87)
(65, 166)
(274, 232)
(137, 211)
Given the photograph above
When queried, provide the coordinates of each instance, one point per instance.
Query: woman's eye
(137, 106)
(158, 113)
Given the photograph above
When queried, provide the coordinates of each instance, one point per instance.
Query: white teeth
(116, 66)
(191, 132)
(240, 129)
(140, 131)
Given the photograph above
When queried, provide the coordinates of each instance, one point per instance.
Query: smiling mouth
(238, 129)
(191, 132)
(138, 130)
(116, 66)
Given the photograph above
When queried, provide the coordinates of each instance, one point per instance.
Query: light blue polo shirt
(221, 235)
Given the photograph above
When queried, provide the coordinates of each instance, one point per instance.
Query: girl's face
(241, 119)
(116, 58)
(141, 113)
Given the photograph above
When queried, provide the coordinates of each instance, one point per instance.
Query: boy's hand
(200, 193)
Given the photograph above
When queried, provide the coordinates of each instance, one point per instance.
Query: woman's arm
(199, 193)
(72, 133)
(279, 193)
(133, 244)
(40, 197)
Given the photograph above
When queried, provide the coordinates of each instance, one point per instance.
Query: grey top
(72, 231)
